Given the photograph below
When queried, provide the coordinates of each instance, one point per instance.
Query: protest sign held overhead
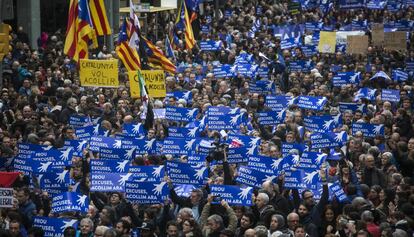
(99, 73)
(154, 81)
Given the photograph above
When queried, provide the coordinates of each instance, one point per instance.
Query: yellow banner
(327, 42)
(154, 80)
(99, 73)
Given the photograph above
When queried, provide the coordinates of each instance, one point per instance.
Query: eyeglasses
(308, 197)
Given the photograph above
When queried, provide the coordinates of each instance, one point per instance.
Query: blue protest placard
(309, 50)
(63, 156)
(57, 180)
(186, 95)
(271, 117)
(196, 160)
(328, 140)
(183, 173)
(311, 102)
(205, 29)
(399, 75)
(146, 192)
(393, 6)
(98, 142)
(390, 95)
(247, 70)
(22, 165)
(235, 140)
(261, 87)
(351, 4)
(54, 226)
(263, 72)
(312, 160)
(300, 66)
(148, 173)
(359, 25)
(369, 130)
(251, 177)
(78, 146)
(142, 146)
(288, 147)
(109, 182)
(233, 195)
(224, 71)
(211, 45)
(352, 107)
(180, 114)
(244, 58)
(268, 165)
(84, 132)
(26, 149)
(278, 102)
(376, 4)
(322, 123)
(338, 191)
(70, 201)
(302, 178)
(290, 161)
(98, 130)
(109, 166)
(180, 132)
(39, 166)
(365, 93)
(224, 118)
(238, 154)
(77, 121)
(345, 78)
(313, 26)
(133, 130)
(117, 153)
(179, 146)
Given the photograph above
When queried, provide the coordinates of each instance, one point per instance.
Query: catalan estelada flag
(183, 22)
(129, 56)
(157, 57)
(99, 17)
(80, 33)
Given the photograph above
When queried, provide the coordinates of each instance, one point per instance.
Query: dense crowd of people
(41, 91)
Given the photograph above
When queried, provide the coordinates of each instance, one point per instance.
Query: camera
(218, 152)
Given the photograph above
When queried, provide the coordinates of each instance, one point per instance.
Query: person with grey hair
(262, 209)
(185, 213)
(213, 225)
(86, 228)
(100, 230)
(372, 228)
(261, 231)
(195, 202)
(371, 175)
(69, 110)
(110, 233)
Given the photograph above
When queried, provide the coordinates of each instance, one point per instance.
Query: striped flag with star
(99, 17)
(183, 21)
(80, 33)
(129, 56)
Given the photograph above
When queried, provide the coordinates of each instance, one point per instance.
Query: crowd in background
(41, 90)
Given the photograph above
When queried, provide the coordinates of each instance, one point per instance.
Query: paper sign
(327, 42)
(395, 40)
(377, 34)
(357, 44)
(154, 81)
(6, 197)
(99, 73)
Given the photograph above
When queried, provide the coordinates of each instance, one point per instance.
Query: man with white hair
(86, 228)
(262, 209)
